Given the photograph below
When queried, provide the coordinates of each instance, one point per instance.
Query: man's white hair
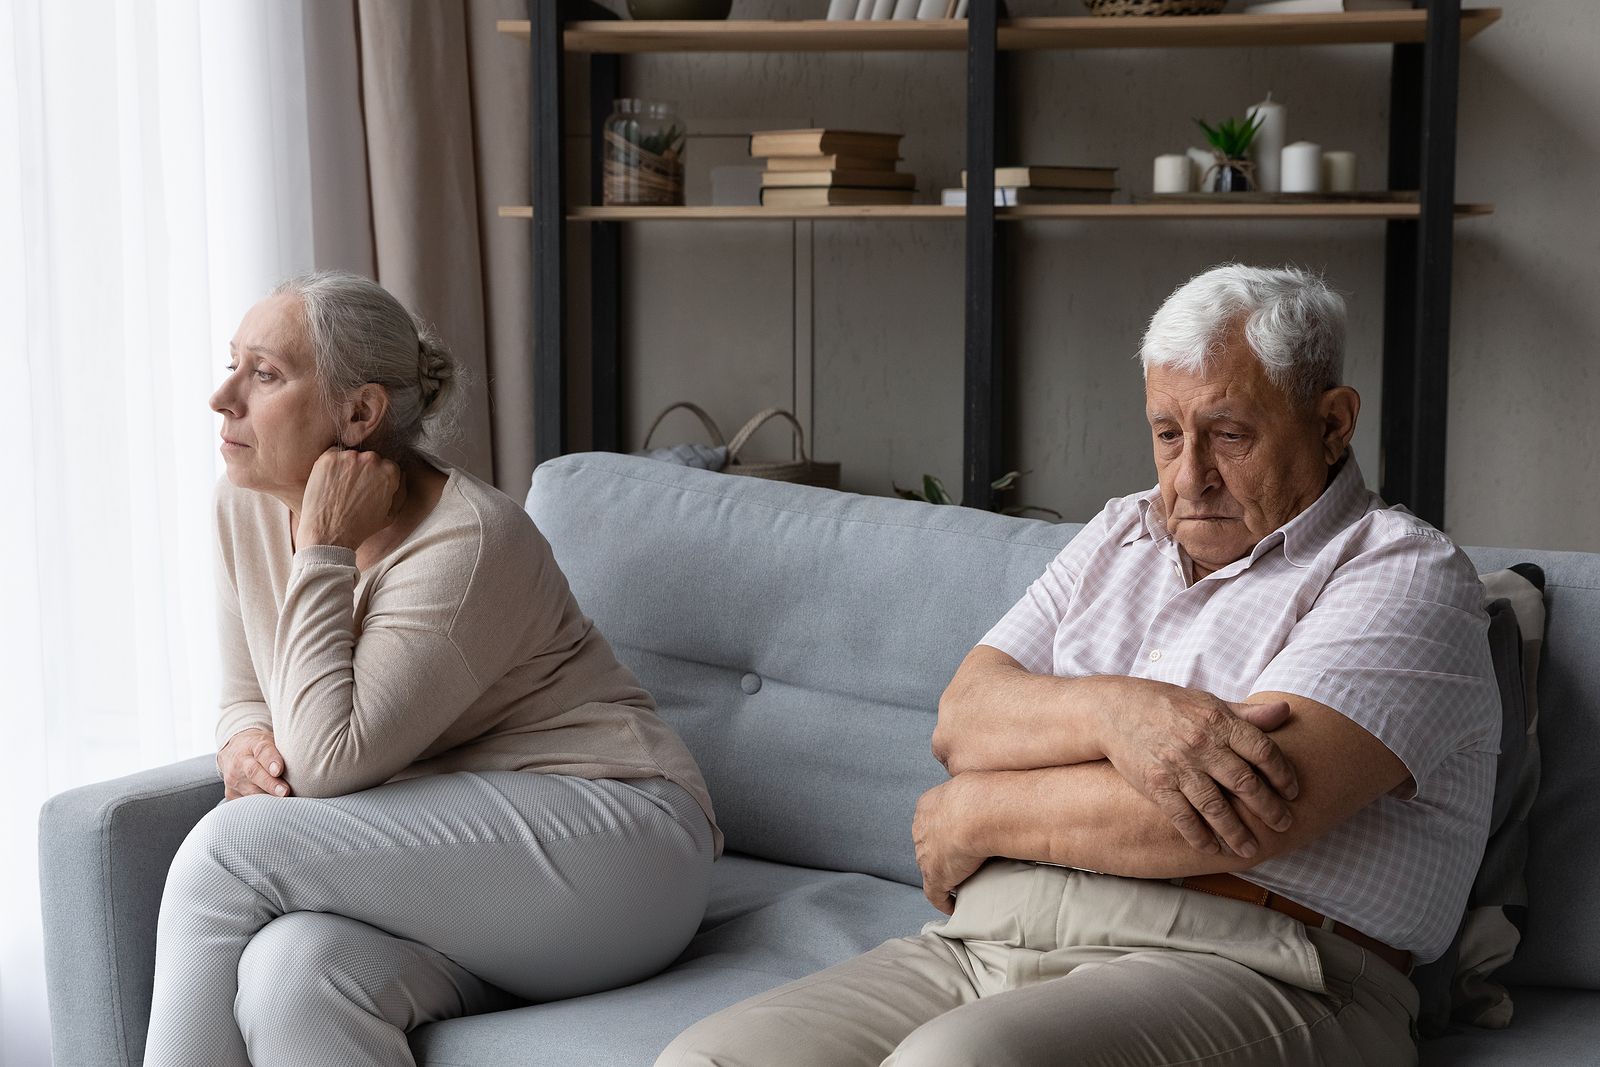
(1293, 323)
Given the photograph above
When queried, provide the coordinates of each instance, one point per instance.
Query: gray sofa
(799, 640)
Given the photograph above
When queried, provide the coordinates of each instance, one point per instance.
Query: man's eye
(265, 375)
(232, 367)
(1231, 438)
(1167, 435)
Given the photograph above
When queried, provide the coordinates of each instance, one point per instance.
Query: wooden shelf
(706, 213)
(1027, 34)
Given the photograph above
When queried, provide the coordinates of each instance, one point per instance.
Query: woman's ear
(363, 414)
(1338, 410)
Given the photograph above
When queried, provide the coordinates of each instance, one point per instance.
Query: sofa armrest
(104, 850)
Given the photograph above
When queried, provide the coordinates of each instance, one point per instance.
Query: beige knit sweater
(462, 649)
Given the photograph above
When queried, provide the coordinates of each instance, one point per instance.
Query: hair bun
(436, 367)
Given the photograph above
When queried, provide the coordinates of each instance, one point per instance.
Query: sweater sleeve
(243, 706)
(349, 713)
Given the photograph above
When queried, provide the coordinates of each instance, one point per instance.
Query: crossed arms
(1133, 777)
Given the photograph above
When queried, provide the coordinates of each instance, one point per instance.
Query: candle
(1302, 167)
(1204, 178)
(1172, 174)
(1268, 142)
(1339, 172)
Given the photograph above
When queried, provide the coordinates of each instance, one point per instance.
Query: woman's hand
(251, 763)
(1196, 756)
(349, 497)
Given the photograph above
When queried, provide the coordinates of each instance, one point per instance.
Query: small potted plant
(1230, 143)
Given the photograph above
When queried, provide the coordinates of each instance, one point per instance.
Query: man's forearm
(998, 717)
(1085, 816)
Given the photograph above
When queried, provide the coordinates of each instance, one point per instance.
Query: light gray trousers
(301, 931)
(1049, 967)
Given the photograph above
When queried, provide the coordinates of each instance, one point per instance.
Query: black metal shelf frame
(1424, 86)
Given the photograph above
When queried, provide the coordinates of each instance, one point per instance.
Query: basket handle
(705, 420)
(742, 438)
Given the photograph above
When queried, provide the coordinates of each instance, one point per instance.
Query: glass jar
(644, 152)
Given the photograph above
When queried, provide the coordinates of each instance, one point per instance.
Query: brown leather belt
(1236, 888)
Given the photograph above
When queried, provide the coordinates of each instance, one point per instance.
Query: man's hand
(1195, 756)
(349, 497)
(942, 854)
(250, 763)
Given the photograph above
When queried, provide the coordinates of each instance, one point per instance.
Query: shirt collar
(1303, 537)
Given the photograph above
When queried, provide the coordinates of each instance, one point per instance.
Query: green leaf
(935, 490)
(1006, 481)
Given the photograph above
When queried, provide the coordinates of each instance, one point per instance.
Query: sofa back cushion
(798, 639)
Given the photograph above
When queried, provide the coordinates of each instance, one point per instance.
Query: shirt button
(1155, 654)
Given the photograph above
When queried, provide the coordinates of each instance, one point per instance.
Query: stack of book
(1043, 185)
(848, 10)
(818, 168)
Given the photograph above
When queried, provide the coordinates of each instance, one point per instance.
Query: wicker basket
(705, 420)
(804, 470)
(1155, 7)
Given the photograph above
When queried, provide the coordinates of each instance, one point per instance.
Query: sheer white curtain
(154, 181)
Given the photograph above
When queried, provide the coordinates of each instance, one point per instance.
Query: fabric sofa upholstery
(798, 639)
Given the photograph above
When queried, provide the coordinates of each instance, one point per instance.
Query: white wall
(858, 326)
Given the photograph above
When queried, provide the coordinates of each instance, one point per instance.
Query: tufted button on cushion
(751, 683)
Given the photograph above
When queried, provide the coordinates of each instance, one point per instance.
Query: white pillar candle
(1268, 143)
(1302, 167)
(1339, 172)
(1172, 174)
(1204, 178)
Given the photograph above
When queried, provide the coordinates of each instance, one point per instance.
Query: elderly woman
(444, 794)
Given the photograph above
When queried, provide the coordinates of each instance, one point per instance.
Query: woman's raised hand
(349, 497)
(251, 763)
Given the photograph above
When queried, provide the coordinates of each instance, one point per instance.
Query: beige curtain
(420, 133)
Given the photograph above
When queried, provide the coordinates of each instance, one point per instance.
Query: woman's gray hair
(360, 333)
(1293, 323)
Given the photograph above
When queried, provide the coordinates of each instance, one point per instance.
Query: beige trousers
(1050, 966)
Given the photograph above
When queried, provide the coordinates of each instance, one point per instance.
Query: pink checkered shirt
(1356, 605)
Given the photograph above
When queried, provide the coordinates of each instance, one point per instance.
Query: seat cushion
(1551, 1028)
(767, 923)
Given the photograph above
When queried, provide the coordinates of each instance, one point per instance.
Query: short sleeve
(1027, 632)
(1397, 642)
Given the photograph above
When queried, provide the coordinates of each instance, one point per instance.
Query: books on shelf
(1040, 177)
(1011, 196)
(830, 197)
(860, 179)
(885, 10)
(823, 167)
(859, 143)
(1322, 7)
(832, 161)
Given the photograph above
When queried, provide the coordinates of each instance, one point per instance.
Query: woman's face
(274, 422)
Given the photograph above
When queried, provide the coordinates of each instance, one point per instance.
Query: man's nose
(1196, 473)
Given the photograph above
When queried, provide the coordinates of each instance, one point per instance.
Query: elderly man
(1219, 776)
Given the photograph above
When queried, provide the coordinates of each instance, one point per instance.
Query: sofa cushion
(767, 924)
(798, 639)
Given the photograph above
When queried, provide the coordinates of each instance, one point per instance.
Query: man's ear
(363, 414)
(1337, 411)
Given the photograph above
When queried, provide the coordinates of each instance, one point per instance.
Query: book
(824, 141)
(906, 9)
(882, 9)
(863, 9)
(1323, 7)
(842, 10)
(828, 162)
(1053, 177)
(1010, 196)
(860, 179)
(931, 9)
(813, 197)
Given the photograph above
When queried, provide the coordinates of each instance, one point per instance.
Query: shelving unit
(1419, 234)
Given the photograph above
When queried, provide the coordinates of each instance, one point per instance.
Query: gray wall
(857, 326)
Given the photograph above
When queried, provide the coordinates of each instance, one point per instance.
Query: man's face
(1235, 456)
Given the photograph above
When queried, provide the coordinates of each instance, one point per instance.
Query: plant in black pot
(1230, 143)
